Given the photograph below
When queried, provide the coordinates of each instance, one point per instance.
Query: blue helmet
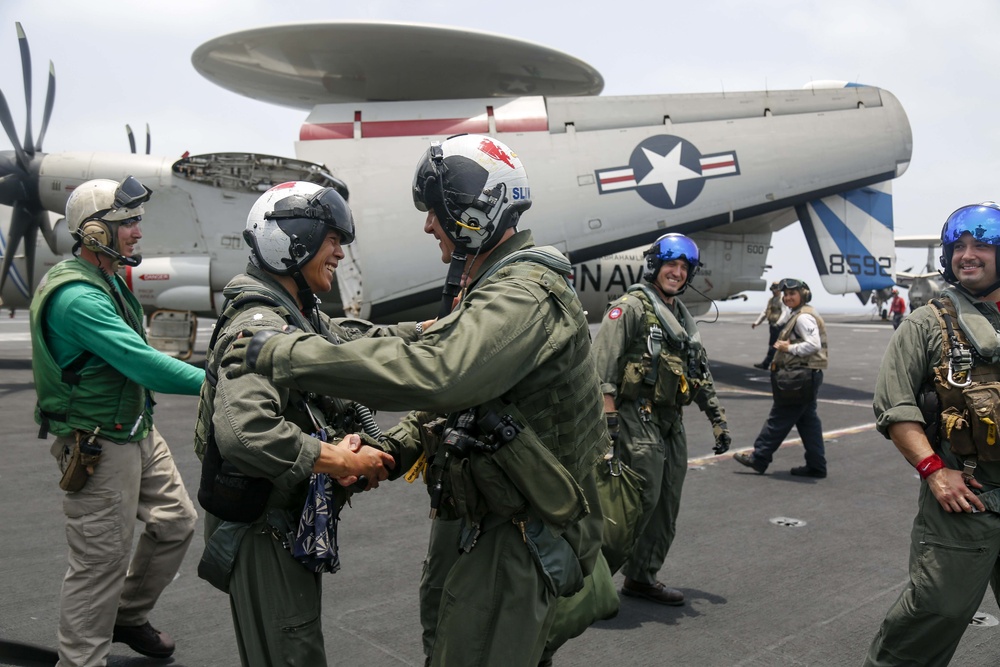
(667, 248)
(980, 220)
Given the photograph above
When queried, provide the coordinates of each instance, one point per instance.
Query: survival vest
(569, 381)
(967, 379)
(774, 310)
(224, 490)
(816, 360)
(89, 393)
(667, 364)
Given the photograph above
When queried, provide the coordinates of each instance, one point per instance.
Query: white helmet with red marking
(475, 185)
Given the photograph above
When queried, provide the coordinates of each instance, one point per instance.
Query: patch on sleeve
(614, 313)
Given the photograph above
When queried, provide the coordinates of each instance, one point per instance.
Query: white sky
(123, 62)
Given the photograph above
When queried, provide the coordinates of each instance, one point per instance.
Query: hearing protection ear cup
(807, 294)
(94, 234)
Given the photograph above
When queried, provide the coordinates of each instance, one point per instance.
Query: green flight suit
(264, 430)
(953, 556)
(653, 444)
(518, 340)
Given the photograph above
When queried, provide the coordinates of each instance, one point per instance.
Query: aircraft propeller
(131, 138)
(19, 173)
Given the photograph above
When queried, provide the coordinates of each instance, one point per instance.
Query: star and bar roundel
(667, 171)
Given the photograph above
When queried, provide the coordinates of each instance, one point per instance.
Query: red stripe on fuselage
(418, 128)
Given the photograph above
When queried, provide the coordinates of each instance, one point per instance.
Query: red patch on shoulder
(614, 313)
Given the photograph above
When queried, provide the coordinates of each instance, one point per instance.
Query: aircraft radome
(608, 174)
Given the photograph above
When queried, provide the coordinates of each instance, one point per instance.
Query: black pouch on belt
(85, 454)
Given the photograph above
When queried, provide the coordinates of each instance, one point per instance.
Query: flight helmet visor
(980, 220)
(675, 246)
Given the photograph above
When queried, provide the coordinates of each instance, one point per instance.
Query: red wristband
(931, 464)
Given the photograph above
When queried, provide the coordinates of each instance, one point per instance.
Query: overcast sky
(129, 62)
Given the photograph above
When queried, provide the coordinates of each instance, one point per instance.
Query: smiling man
(652, 363)
(265, 450)
(94, 376)
(510, 463)
(936, 398)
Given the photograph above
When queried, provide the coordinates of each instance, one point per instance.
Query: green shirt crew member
(511, 368)
(248, 428)
(651, 362)
(94, 376)
(933, 388)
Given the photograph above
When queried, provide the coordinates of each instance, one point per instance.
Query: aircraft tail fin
(850, 235)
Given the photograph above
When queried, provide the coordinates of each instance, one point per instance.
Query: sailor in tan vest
(796, 376)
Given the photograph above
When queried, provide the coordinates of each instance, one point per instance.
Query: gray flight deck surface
(758, 593)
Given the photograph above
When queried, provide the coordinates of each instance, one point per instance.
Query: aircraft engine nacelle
(172, 283)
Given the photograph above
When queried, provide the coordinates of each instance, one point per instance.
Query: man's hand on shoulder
(244, 352)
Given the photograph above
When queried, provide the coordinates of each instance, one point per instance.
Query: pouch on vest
(498, 492)
(216, 564)
(468, 501)
(554, 556)
(551, 491)
(983, 401)
(792, 386)
(672, 388)
(955, 428)
(633, 377)
(226, 492)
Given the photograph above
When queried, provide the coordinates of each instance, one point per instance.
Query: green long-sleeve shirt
(81, 318)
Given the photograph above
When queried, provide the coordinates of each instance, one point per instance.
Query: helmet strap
(307, 298)
(453, 281)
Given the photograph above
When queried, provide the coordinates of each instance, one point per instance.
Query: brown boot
(145, 639)
(655, 592)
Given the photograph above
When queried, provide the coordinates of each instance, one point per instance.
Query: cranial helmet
(287, 225)
(668, 248)
(980, 220)
(475, 185)
(796, 285)
(97, 207)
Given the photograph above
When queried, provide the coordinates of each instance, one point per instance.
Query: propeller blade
(44, 223)
(50, 99)
(148, 139)
(864, 295)
(18, 222)
(131, 137)
(8, 125)
(30, 241)
(22, 41)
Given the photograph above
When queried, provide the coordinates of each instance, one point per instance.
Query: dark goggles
(792, 284)
(980, 220)
(131, 193)
(326, 206)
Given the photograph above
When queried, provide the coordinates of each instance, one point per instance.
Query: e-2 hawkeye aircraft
(608, 174)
